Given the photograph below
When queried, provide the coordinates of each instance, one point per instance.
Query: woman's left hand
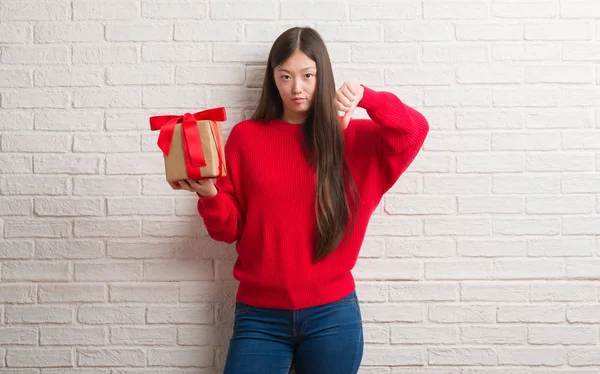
(347, 98)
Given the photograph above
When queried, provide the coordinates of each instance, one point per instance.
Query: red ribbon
(192, 146)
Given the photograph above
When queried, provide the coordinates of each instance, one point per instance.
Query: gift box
(192, 144)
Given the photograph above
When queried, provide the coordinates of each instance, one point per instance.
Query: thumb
(346, 119)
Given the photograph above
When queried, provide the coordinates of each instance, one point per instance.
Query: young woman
(302, 184)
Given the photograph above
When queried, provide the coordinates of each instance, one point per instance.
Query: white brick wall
(483, 259)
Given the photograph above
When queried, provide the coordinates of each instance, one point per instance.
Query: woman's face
(296, 80)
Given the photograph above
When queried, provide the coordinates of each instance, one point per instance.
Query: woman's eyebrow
(308, 68)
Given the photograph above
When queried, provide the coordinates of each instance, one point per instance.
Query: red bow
(192, 146)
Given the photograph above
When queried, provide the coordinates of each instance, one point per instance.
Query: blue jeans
(325, 339)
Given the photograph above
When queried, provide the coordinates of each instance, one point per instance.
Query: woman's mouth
(298, 100)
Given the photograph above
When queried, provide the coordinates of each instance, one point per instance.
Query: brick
(580, 269)
(396, 356)
(106, 185)
(35, 54)
(106, 228)
(457, 97)
(575, 51)
(180, 270)
(419, 31)
(560, 74)
(103, 54)
(431, 163)
(572, 204)
(172, 228)
(175, 52)
(37, 228)
(374, 269)
(167, 97)
(526, 184)
(505, 31)
(452, 184)
(69, 77)
(423, 335)
(489, 163)
(111, 357)
(37, 271)
(107, 97)
(316, 10)
(449, 10)
(197, 314)
(15, 249)
(538, 9)
(69, 249)
(394, 226)
(398, 204)
(584, 356)
(15, 164)
(364, 32)
(581, 226)
(563, 291)
(145, 293)
(135, 163)
(15, 336)
(199, 292)
(424, 291)
(38, 357)
(462, 314)
(134, 336)
(71, 293)
(583, 314)
(38, 314)
(68, 32)
(531, 314)
(581, 183)
(529, 269)
(36, 98)
(186, 206)
(66, 164)
(34, 11)
(563, 119)
(433, 52)
(16, 120)
(462, 356)
(15, 32)
(158, 186)
(194, 357)
(526, 97)
(365, 53)
(557, 31)
(267, 31)
(567, 335)
(491, 248)
(530, 51)
(409, 183)
(244, 10)
(581, 140)
(71, 120)
(111, 315)
(120, 271)
(525, 141)
(106, 143)
(494, 291)
(17, 293)
(443, 141)
(29, 185)
(15, 78)
(141, 206)
(458, 226)
(527, 226)
(402, 247)
(72, 336)
(483, 119)
(532, 356)
(491, 204)
(139, 32)
(68, 207)
(181, 10)
(570, 247)
(583, 161)
(208, 31)
(218, 75)
(105, 10)
(448, 270)
(385, 11)
(35, 143)
(139, 74)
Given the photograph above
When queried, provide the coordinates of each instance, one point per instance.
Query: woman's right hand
(203, 187)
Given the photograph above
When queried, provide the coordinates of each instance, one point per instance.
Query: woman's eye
(285, 77)
(309, 75)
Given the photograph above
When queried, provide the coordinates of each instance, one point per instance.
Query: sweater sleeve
(223, 214)
(398, 135)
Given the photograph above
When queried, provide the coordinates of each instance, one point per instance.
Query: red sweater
(266, 202)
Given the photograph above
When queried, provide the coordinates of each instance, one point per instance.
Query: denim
(325, 339)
